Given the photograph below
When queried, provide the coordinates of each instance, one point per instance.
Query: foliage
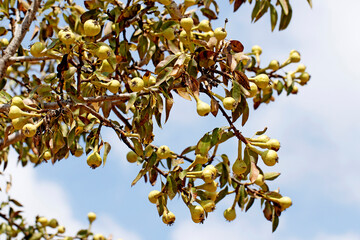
(119, 65)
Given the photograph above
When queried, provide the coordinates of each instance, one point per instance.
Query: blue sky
(317, 128)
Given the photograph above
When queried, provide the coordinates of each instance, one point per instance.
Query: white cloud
(108, 227)
(49, 199)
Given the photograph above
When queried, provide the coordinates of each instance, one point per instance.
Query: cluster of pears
(269, 156)
(20, 118)
(162, 152)
(168, 217)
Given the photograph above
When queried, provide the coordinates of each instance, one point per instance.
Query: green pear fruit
(230, 214)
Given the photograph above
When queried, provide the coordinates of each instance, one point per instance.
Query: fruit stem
(216, 95)
(287, 62)
(252, 148)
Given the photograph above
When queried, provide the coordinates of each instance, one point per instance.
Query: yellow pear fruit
(153, 196)
(94, 160)
(163, 152)
(169, 34)
(131, 157)
(136, 84)
(229, 103)
(91, 28)
(91, 217)
(37, 48)
(230, 214)
(204, 26)
(168, 218)
(220, 33)
(187, 24)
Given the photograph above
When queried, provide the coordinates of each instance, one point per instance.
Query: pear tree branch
(20, 31)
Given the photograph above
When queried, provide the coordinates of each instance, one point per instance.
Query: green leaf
(142, 46)
(245, 115)
(131, 101)
(273, 17)
(188, 149)
(171, 187)
(203, 145)
(275, 221)
(107, 149)
(242, 197)
(208, 13)
(285, 6)
(285, 19)
(236, 91)
(165, 63)
(139, 176)
(261, 132)
(138, 147)
(222, 194)
(249, 204)
(255, 10)
(182, 175)
(262, 9)
(271, 175)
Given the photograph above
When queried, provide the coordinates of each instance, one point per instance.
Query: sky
(317, 129)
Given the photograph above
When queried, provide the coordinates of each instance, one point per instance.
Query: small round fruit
(260, 180)
(220, 33)
(262, 80)
(94, 160)
(163, 152)
(153, 196)
(239, 167)
(256, 49)
(273, 144)
(37, 48)
(274, 65)
(230, 214)
(136, 84)
(304, 78)
(131, 157)
(202, 108)
(92, 28)
(67, 37)
(47, 155)
(253, 89)
(151, 81)
(295, 89)
(53, 223)
(43, 221)
(61, 229)
(99, 237)
(204, 26)
(301, 68)
(197, 213)
(114, 86)
(295, 56)
(229, 103)
(208, 205)
(269, 157)
(285, 202)
(168, 218)
(91, 217)
(187, 24)
(106, 67)
(103, 52)
(169, 34)
(29, 130)
(4, 42)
